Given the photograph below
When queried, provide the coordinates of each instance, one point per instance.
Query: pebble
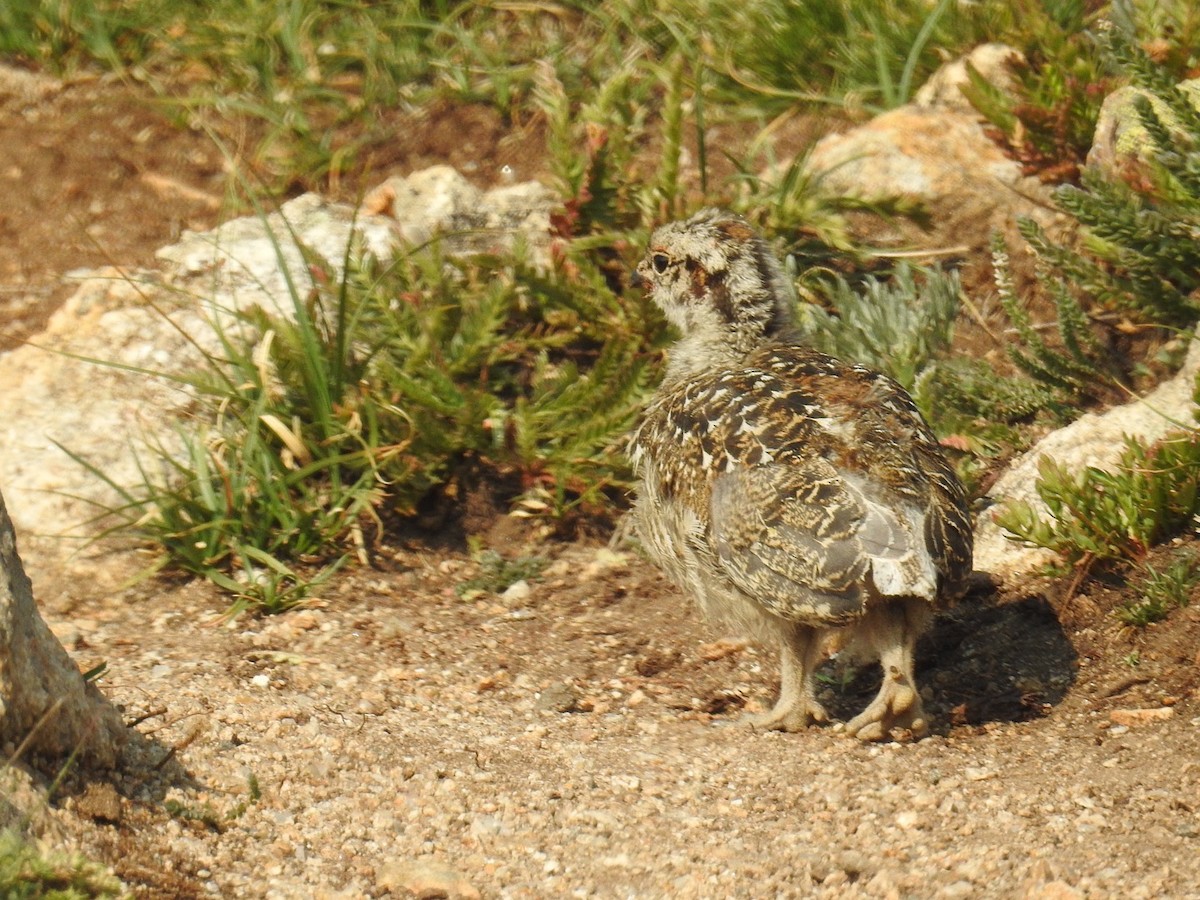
(1132, 718)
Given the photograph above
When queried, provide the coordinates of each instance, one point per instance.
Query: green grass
(380, 387)
(1162, 591)
(312, 75)
(27, 872)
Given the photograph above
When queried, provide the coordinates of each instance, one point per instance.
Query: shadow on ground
(987, 660)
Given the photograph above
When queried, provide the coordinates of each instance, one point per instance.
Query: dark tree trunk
(45, 705)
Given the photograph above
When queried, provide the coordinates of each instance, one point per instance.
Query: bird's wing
(805, 540)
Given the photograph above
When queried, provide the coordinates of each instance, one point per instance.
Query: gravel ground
(579, 737)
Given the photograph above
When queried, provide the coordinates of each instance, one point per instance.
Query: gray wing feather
(804, 542)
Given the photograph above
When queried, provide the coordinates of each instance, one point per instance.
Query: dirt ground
(578, 735)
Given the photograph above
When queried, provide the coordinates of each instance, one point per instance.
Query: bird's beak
(637, 281)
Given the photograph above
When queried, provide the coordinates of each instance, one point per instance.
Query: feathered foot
(896, 711)
(799, 654)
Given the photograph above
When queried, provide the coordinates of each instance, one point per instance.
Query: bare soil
(578, 736)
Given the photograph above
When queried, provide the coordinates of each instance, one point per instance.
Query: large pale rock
(440, 201)
(994, 62)
(56, 391)
(428, 878)
(935, 151)
(942, 158)
(83, 382)
(45, 705)
(258, 261)
(1093, 440)
(1121, 144)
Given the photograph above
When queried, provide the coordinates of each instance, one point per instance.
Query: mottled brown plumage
(784, 489)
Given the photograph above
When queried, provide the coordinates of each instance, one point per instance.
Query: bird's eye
(659, 261)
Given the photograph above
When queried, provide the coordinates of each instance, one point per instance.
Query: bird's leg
(893, 628)
(799, 655)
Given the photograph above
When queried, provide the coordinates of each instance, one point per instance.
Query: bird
(798, 496)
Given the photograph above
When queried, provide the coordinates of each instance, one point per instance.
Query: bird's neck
(702, 351)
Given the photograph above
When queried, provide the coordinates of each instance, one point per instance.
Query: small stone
(1053, 890)
(722, 648)
(262, 680)
(604, 561)
(100, 802)
(426, 879)
(517, 592)
(305, 620)
(1132, 718)
(558, 697)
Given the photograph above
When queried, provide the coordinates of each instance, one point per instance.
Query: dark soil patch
(94, 174)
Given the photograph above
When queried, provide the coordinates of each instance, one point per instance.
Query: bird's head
(717, 280)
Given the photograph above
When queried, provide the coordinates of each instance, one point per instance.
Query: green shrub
(1078, 369)
(898, 327)
(381, 384)
(1149, 495)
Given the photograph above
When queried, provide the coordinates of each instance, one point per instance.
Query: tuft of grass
(27, 873)
(382, 383)
(279, 466)
(1162, 590)
(858, 54)
(496, 573)
(310, 76)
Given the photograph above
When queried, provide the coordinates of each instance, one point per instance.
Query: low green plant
(1150, 494)
(1046, 117)
(900, 326)
(971, 388)
(253, 796)
(496, 573)
(984, 415)
(27, 872)
(1079, 368)
(1162, 590)
(202, 814)
(1137, 257)
(491, 361)
(1139, 254)
(838, 675)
